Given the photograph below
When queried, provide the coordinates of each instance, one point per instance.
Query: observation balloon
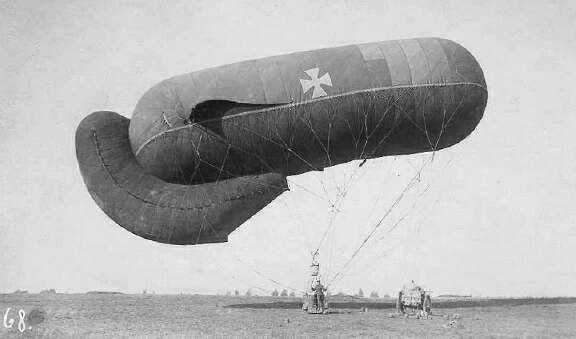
(207, 150)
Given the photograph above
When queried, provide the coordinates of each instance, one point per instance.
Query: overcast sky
(492, 216)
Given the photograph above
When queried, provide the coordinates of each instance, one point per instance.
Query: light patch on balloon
(371, 52)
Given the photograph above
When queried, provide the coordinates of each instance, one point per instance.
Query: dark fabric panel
(376, 64)
(346, 68)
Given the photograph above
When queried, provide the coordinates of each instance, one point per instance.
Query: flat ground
(185, 316)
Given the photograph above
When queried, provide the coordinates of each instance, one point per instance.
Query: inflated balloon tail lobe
(154, 209)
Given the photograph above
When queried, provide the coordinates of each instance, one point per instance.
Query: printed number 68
(8, 323)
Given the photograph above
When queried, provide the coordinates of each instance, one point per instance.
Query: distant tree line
(284, 293)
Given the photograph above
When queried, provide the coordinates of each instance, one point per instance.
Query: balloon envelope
(205, 151)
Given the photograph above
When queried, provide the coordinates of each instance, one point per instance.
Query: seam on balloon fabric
(248, 196)
(291, 105)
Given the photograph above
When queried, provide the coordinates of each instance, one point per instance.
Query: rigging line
(309, 125)
(326, 150)
(357, 168)
(396, 87)
(208, 224)
(330, 252)
(278, 144)
(220, 271)
(242, 177)
(375, 204)
(426, 190)
(366, 112)
(224, 162)
(352, 133)
(398, 199)
(333, 213)
(299, 220)
(392, 228)
(201, 229)
(263, 275)
(179, 168)
(431, 70)
(443, 127)
(425, 129)
(336, 208)
(237, 258)
(328, 228)
(381, 195)
(343, 188)
(422, 105)
(331, 204)
(272, 169)
(256, 180)
(457, 107)
(397, 108)
(385, 251)
(328, 143)
(331, 119)
(166, 120)
(395, 225)
(343, 193)
(197, 151)
(388, 108)
(250, 285)
(332, 116)
(407, 116)
(283, 143)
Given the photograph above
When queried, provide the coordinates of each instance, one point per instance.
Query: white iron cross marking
(316, 83)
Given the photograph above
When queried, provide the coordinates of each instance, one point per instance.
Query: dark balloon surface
(205, 151)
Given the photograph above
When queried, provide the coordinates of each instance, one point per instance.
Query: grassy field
(185, 316)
